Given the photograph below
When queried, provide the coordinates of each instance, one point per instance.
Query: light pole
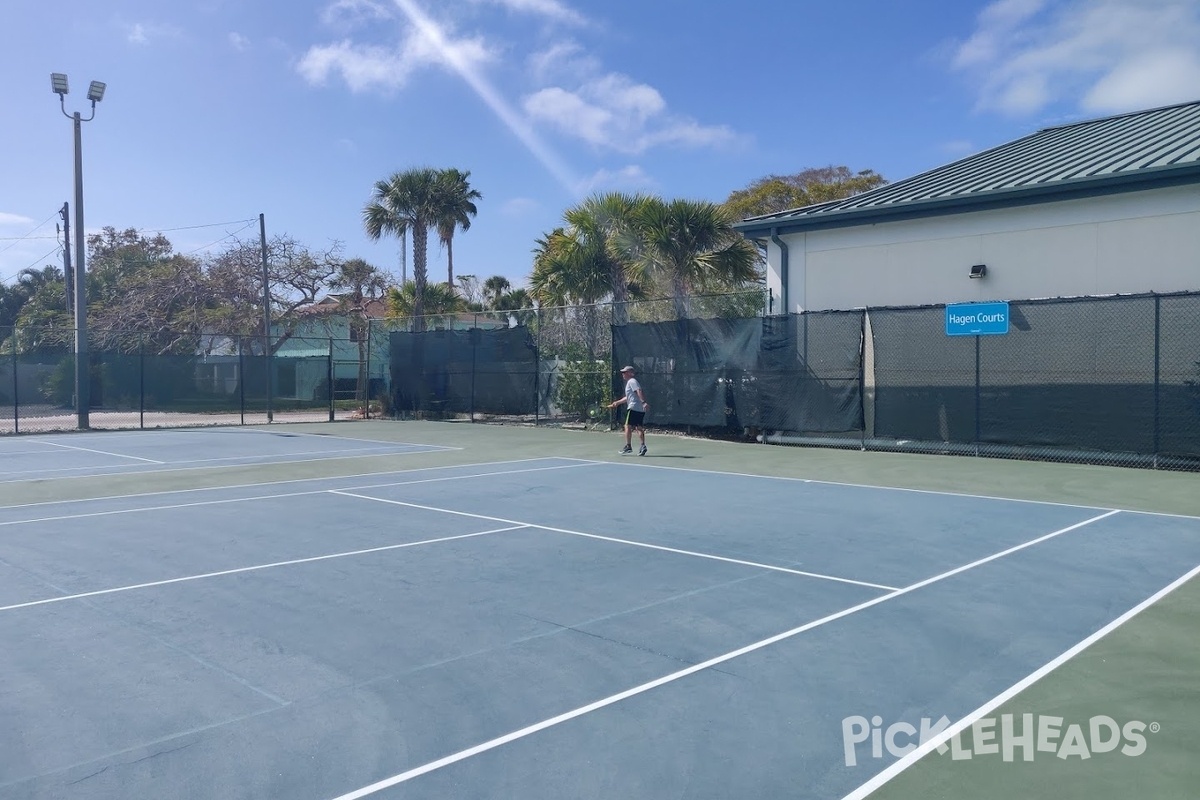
(58, 84)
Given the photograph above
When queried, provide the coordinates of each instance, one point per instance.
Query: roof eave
(1152, 178)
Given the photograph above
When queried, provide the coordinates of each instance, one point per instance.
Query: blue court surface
(536, 629)
(87, 454)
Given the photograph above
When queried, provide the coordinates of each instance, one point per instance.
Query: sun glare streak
(488, 94)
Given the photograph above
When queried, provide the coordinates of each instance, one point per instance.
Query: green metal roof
(1145, 149)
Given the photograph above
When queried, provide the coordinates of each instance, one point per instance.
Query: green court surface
(1139, 672)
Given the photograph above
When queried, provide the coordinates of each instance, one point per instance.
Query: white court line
(98, 452)
(492, 744)
(278, 431)
(647, 545)
(254, 568)
(306, 493)
(911, 758)
(935, 492)
(431, 449)
(250, 460)
(288, 480)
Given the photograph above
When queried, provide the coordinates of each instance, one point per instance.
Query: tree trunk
(620, 289)
(361, 396)
(450, 263)
(679, 297)
(420, 253)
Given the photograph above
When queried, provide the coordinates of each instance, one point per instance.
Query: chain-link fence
(1096, 380)
(537, 366)
(147, 380)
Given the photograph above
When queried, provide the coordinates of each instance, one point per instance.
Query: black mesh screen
(486, 371)
(1178, 421)
(924, 380)
(1071, 374)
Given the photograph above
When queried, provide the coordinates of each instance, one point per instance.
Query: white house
(1102, 207)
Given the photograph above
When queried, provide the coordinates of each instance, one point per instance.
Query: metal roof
(1140, 150)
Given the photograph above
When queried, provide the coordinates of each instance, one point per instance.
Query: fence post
(366, 390)
(537, 367)
(862, 381)
(473, 337)
(16, 402)
(241, 378)
(1157, 365)
(330, 369)
(977, 398)
(142, 381)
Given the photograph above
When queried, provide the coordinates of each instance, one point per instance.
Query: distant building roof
(332, 304)
(1142, 150)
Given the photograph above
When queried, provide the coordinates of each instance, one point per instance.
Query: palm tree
(517, 303)
(455, 209)
(360, 283)
(603, 227)
(494, 288)
(410, 201)
(439, 301)
(691, 246)
(572, 269)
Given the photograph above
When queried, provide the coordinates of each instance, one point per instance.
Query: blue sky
(218, 110)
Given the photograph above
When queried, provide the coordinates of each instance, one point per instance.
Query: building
(1101, 207)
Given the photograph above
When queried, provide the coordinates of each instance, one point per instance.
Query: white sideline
(916, 755)
(492, 744)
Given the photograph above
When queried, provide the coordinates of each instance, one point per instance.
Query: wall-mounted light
(978, 270)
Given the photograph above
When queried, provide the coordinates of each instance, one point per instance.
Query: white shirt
(632, 401)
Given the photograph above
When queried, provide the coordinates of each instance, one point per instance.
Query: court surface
(547, 627)
(52, 456)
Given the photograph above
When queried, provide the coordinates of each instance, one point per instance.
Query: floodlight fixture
(58, 83)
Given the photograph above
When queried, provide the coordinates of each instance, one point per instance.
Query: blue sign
(976, 319)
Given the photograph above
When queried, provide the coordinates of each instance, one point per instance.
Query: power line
(223, 238)
(194, 227)
(7, 278)
(29, 235)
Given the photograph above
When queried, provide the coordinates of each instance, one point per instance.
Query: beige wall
(1122, 244)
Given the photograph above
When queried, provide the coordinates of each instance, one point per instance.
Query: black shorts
(634, 418)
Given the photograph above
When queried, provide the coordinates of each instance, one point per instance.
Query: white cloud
(957, 148)
(238, 42)
(7, 219)
(1106, 56)
(365, 67)
(614, 113)
(141, 33)
(629, 178)
(355, 13)
(550, 9)
(1155, 79)
(565, 59)
(519, 207)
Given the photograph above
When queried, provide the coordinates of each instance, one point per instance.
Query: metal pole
(16, 401)
(473, 337)
(68, 274)
(366, 390)
(978, 424)
(1157, 367)
(141, 381)
(330, 369)
(82, 387)
(262, 241)
(537, 367)
(241, 379)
